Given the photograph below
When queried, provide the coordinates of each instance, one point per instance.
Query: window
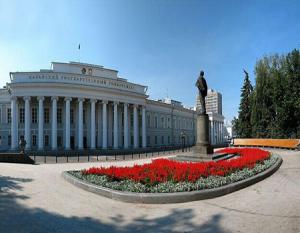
(169, 122)
(0, 115)
(83, 116)
(155, 121)
(46, 140)
(8, 115)
(34, 115)
(148, 120)
(33, 140)
(131, 119)
(9, 140)
(122, 119)
(59, 115)
(162, 122)
(22, 115)
(0, 140)
(148, 140)
(46, 116)
(59, 141)
(72, 116)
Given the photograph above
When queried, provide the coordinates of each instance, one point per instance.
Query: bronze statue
(202, 87)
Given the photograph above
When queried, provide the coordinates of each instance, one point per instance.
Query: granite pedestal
(202, 151)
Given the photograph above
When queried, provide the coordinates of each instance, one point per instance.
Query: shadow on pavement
(16, 217)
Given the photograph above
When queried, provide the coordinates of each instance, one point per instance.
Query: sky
(162, 44)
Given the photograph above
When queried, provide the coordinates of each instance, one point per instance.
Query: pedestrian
(22, 145)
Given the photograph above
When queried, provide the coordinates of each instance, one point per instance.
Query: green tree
(244, 128)
(275, 102)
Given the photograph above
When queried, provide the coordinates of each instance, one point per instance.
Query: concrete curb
(179, 197)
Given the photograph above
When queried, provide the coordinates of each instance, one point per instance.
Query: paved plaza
(35, 198)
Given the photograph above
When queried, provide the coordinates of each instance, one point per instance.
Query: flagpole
(79, 52)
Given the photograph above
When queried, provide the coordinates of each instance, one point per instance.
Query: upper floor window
(155, 122)
(148, 120)
(72, 116)
(84, 116)
(8, 116)
(46, 115)
(131, 119)
(59, 115)
(22, 115)
(162, 122)
(34, 115)
(169, 122)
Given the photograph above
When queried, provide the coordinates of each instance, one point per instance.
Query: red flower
(162, 170)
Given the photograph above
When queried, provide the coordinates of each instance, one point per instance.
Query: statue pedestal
(202, 151)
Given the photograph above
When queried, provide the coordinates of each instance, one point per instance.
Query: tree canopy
(272, 108)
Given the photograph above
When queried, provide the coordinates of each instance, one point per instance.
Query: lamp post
(182, 140)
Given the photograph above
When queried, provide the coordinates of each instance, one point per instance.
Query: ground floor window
(33, 140)
(59, 141)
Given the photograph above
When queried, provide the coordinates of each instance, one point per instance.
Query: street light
(182, 140)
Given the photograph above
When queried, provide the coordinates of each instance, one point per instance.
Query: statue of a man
(202, 87)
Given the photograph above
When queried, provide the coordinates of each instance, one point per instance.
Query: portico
(83, 128)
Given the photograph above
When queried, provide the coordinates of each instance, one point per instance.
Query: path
(34, 198)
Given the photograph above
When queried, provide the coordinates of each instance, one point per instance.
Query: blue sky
(161, 44)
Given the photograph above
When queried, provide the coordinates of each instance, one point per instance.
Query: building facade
(78, 106)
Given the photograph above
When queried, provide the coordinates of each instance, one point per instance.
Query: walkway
(34, 198)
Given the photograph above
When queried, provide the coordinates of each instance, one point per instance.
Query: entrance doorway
(84, 142)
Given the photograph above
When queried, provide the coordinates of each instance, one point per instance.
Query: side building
(83, 106)
(213, 104)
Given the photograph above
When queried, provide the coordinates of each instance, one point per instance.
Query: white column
(54, 123)
(116, 143)
(144, 138)
(80, 123)
(222, 132)
(27, 122)
(219, 132)
(99, 123)
(219, 123)
(135, 127)
(214, 132)
(41, 123)
(126, 139)
(68, 122)
(211, 132)
(104, 124)
(93, 123)
(14, 124)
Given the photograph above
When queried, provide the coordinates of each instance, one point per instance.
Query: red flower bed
(162, 170)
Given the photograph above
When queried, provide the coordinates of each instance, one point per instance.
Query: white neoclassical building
(76, 106)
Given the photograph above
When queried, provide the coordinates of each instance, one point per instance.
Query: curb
(179, 197)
